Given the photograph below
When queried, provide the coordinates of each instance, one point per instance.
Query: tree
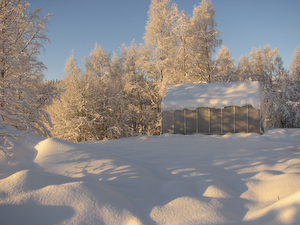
(280, 92)
(267, 67)
(98, 62)
(290, 89)
(65, 111)
(85, 111)
(22, 93)
(182, 59)
(159, 50)
(244, 71)
(159, 37)
(116, 100)
(204, 38)
(226, 70)
(136, 91)
(289, 101)
(133, 87)
(295, 64)
(115, 75)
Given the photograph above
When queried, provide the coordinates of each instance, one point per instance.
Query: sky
(77, 25)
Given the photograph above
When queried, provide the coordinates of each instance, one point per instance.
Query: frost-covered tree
(244, 71)
(155, 89)
(115, 75)
(204, 38)
(22, 93)
(289, 98)
(160, 38)
(280, 93)
(65, 111)
(98, 62)
(85, 111)
(137, 91)
(134, 90)
(159, 50)
(295, 64)
(109, 72)
(182, 59)
(291, 90)
(226, 69)
(267, 67)
(118, 122)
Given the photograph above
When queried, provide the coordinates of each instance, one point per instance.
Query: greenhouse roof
(211, 95)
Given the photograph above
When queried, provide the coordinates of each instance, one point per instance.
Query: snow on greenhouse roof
(212, 95)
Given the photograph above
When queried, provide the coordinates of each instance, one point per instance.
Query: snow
(169, 179)
(213, 95)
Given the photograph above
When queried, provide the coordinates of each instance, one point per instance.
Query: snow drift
(168, 179)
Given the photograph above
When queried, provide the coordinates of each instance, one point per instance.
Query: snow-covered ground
(168, 179)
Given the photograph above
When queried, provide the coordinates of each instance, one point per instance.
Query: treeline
(118, 95)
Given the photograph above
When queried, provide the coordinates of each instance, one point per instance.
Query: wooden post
(234, 119)
(221, 121)
(247, 108)
(173, 121)
(197, 122)
(209, 116)
(184, 121)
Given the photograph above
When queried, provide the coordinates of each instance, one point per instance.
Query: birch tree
(295, 64)
(160, 48)
(22, 35)
(226, 69)
(244, 71)
(266, 65)
(134, 90)
(160, 38)
(137, 91)
(98, 62)
(109, 78)
(291, 90)
(116, 101)
(64, 111)
(204, 38)
(182, 59)
(115, 75)
(290, 101)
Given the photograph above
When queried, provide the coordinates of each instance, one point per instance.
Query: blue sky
(244, 24)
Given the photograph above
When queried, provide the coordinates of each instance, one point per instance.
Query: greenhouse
(212, 108)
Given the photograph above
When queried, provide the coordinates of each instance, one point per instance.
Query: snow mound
(284, 211)
(168, 179)
(69, 200)
(186, 210)
(219, 189)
